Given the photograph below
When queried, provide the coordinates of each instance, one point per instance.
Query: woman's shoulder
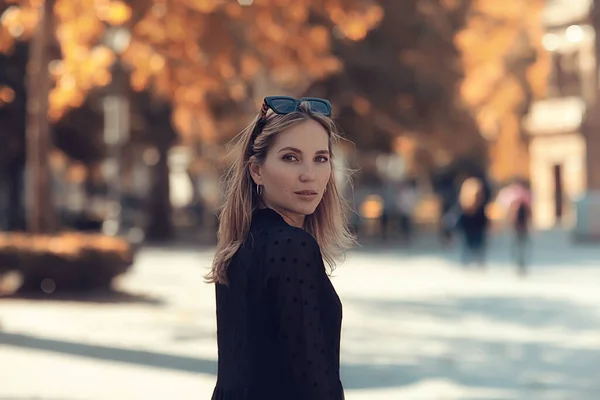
(288, 248)
(270, 227)
(288, 238)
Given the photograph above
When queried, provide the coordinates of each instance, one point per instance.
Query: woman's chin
(305, 210)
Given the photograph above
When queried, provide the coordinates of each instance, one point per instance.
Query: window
(565, 79)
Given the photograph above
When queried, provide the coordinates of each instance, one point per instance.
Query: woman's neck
(293, 219)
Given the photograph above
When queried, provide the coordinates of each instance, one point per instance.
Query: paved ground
(416, 326)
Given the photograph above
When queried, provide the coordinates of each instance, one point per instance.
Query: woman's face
(296, 171)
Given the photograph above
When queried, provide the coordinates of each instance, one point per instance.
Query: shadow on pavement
(493, 370)
(106, 353)
(532, 359)
(35, 398)
(101, 297)
(525, 312)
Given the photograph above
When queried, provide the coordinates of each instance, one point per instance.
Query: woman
(472, 220)
(518, 197)
(278, 315)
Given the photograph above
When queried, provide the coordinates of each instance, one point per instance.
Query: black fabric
(521, 216)
(279, 318)
(475, 224)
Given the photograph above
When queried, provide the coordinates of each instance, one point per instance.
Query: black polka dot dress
(279, 318)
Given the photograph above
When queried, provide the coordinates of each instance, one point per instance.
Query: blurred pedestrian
(447, 198)
(407, 202)
(471, 220)
(390, 212)
(517, 198)
(278, 315)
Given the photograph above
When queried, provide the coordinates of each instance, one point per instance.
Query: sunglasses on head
(287, 105)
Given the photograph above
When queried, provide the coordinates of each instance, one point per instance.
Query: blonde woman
(473, 221)
(278, 315)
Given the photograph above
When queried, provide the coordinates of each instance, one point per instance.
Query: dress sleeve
(298, 278)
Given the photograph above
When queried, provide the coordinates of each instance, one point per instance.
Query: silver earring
(259, 189)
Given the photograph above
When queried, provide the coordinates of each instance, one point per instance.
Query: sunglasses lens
(283, 106)
(320, 107)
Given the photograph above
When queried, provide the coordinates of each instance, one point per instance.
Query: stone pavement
(416, 327)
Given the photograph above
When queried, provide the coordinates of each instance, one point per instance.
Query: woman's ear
(255, 172)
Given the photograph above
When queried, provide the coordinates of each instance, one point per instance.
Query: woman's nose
(308, 172)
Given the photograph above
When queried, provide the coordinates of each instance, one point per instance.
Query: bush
(64, 262)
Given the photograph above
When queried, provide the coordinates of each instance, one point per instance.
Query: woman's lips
(307, 195)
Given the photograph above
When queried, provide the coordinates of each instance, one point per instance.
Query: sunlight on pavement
(415, 328)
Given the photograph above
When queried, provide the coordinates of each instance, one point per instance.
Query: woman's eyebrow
(289, 148)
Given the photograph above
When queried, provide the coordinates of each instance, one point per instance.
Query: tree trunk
(161, 224)
(14, 180)
(40, 210)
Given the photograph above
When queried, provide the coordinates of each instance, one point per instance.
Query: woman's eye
(322, 159)
(290, 157)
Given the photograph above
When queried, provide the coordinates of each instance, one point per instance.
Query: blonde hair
(471, 195)
(328, 224)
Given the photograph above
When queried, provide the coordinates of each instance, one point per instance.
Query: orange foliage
(505, 68)
(7, 95)
(186, 50)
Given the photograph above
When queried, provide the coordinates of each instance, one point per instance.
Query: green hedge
(64, 262)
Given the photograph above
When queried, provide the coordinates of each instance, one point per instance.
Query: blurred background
(114, 120)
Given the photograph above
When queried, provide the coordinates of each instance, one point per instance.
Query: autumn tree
(76, 134)
(505, 70)
(188, 51)
(40, 213)
(452, 76)
(421, 69)
(13, 103)
(192, 54)
(403, 80)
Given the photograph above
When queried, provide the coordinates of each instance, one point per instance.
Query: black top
(475, 223)
(279, 319)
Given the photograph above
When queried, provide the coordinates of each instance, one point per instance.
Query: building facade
(562, 126)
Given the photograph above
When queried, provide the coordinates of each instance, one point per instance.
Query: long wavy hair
(328, 224)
